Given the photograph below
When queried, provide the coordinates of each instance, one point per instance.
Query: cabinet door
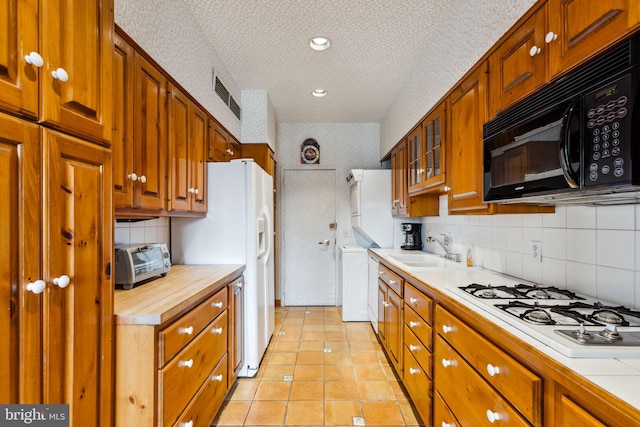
(78, 319)
(179, 151)
(585, 27)
(197, 163)
(235, 149)
(519, 65)
(415, 168)
(382, 312)
(399, 190)
(122, 139)
(20, 346)
(468, 114)
(434, 148)
(218, 143)
(395, 326)
(76, 35)
(571, 414)
(150, 143)
(19, 37)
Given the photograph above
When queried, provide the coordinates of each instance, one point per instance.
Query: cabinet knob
(217, 378)
(492, 370)
(550, 37)
(446, 363)
(414, 347)
(60, 74)
(446, 329)
(492, 416)
(534, 50)
(414, 371)
(187, 363)
(413, 324)
(143, 179)
(196, 191)
(37, 287)
(62, 281)
(133, 177)
(217, 304)
(392, 282)
(413, 300)
(447, 188)
(217, 330)
(185, 331)
(445, 424)
(187, 424)
(190, 191)
(34, 59)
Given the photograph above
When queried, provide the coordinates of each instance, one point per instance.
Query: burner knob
(610, 333)
(582, 331)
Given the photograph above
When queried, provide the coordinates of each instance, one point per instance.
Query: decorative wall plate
(310, 152)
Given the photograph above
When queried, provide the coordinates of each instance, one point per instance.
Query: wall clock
(310, 152)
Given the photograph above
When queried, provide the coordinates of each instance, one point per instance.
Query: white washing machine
(354, 273)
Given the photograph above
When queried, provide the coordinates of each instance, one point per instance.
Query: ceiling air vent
(222, 91)
(235, 108)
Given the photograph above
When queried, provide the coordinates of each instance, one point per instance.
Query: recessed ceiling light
(319, 43)
(319, 93)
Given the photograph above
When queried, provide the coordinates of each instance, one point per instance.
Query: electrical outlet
(536, 249)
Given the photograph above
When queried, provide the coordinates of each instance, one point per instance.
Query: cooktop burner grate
(519, 291)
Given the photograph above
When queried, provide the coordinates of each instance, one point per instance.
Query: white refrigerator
(238, 229)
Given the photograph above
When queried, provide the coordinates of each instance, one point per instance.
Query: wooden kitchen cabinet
(57, 190)
(262, 154)
(390, 315)
(140, 145)
(578, 29)
(187, 129)
(427, 163)
(399, 177)
(72, 39)
(222, 146)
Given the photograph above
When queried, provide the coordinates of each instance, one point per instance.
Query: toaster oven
(139, 263)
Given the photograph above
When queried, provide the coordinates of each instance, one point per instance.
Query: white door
(309, 252)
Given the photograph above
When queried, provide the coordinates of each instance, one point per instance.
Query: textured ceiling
(375, 46)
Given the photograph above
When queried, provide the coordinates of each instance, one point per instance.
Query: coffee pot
(412, 236)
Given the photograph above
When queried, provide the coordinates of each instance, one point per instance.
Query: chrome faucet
(445, 243)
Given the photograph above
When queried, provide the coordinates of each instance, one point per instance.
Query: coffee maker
(412, 236)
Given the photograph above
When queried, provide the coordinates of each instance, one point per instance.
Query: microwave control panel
(607, 150)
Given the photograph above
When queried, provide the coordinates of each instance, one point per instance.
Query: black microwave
(577, 140)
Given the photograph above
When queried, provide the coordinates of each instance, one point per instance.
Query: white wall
(168, 32)
(587, 249)
(343, 146)
(258, 119)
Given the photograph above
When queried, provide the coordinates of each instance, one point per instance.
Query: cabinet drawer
(390, 278)
(204, 406)
(418, 326)
(419, 351)
(419, 302)
(418, 385)
(184, 375)
(466, 393)
(182, 331)
(442, 416)
(516, 383)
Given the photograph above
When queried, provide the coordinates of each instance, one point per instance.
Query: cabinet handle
(446, 363)
(392, 282)
(413, 300)
(60, 74)
(37, 287)
(34, 59)
(385, 304)
(414, 347)
(413, 324)
(492, 370)
(447, 189)
(133, 177)
(414, 371)
(196, 191)
(217, 304)
(217, 378)
(187, 424)
(380, 273)
(550, 37)
(492, 416)
(445, 424)
(62, 281)
(446, 329)
(187, 363)
(217, 330)
(190, 191)
(535, 50)
(187, 331)
(143, 179)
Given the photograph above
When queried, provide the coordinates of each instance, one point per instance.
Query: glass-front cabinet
(426, 154)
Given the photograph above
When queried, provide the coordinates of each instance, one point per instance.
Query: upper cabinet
(262, 154)
(222, 146)
(139, 135)
(427, 153)
(580, 28)
(399, 190)
(55, 64)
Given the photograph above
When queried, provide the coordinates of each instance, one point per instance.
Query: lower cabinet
(390, 323)
(178, 373)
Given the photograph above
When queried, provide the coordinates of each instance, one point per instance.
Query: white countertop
(619, 377)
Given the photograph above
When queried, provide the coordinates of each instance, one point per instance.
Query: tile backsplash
(589, 249)
(147, 231)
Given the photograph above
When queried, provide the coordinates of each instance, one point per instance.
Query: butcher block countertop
(160, 301)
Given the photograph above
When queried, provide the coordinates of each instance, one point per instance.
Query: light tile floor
(319, 370)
